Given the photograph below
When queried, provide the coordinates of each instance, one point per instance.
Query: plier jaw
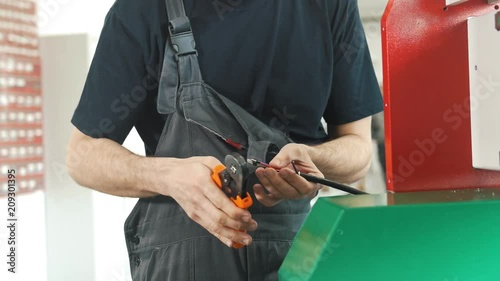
(231, 179)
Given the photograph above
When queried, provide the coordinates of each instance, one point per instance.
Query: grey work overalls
(163, 242)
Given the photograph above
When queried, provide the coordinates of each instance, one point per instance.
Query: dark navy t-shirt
(288, 62)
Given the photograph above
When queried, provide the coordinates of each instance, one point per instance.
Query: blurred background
(66, 232)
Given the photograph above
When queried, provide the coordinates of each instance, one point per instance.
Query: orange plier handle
(243, 203)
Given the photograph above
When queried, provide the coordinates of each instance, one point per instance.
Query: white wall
(104, 240)
(56, 17)
(374, 39)
(72, 16)
(371, 12)
(85, 238)
(69, 212)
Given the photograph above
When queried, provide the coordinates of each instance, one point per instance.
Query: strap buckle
(181, 36)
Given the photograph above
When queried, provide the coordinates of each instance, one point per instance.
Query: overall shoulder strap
(180, 64)
(175, 9)
(179, 26)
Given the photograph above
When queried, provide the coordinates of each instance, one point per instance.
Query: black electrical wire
(328, 183)
(332, 184)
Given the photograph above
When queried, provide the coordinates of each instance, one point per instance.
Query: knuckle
(233, 235)
(238, 226)
(220, 219)
(218, 198)
(234, 213)
(210, 192)
(221, 238)
(214, 228)
(192, 215)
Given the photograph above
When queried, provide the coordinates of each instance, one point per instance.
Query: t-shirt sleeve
(355, 92)
(115, 90)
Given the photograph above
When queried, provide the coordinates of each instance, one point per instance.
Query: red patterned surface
(21, 132)
(426, 91)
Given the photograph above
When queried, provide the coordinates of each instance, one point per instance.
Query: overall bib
(162, 241)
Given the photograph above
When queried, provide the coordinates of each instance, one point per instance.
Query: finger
(230, 242)
(220, 200)
(281, 160)
(223, 239)
(219, 224)
(195, 213)
(229, 236)
(301, 185)
(283, 188)
(267, 200)
(265, 181)
(288, 153)
(306, 167)
(230, 215)
(210, 161)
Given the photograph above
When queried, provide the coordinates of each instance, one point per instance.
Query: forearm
(106, 166)
(345, 159)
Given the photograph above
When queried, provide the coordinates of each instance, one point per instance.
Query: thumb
(210, 162)
(281, 160)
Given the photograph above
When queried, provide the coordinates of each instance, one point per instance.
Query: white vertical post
(70, 225)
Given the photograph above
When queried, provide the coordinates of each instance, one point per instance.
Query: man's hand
(189, 182)
(286, 184)
(106, 166)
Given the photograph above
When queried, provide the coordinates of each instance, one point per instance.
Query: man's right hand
(106, 166)
(189, 182)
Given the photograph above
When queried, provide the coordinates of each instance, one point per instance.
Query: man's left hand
(281, 181)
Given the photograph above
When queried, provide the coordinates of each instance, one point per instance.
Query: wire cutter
(231, 179)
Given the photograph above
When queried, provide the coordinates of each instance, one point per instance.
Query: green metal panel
(428, 236)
